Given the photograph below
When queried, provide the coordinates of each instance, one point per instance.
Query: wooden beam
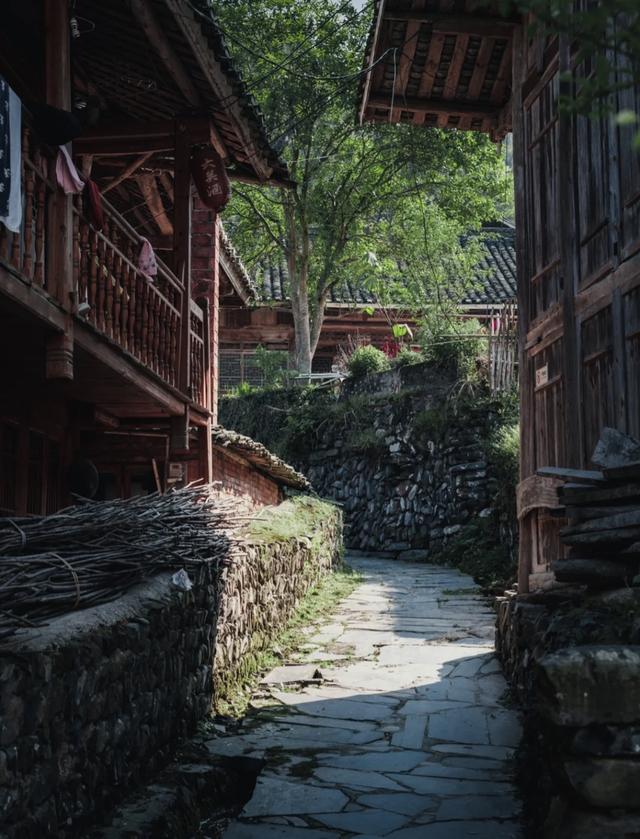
(151, 194)
(457, 24)
(440, 106)
(191, 29)
(128, 171)
(146, 18)
(117, 139)
(431, 66)
(453, 75)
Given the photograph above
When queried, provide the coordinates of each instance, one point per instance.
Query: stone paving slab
(405, 734)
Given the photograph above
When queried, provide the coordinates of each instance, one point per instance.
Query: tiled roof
(260, 457)
(495, 281)
(235, 270)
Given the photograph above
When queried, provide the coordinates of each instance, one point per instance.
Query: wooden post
(527, 442)
(59, 351)
(569, 261)
(214, 321)
(182, 246)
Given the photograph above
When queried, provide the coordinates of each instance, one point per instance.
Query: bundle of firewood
(603, 511)
(94, 551)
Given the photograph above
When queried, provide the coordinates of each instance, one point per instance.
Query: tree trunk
(298, 265)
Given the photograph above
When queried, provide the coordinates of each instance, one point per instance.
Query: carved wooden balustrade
(139, 313)
(25, 251)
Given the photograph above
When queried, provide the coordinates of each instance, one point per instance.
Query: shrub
(452, 344)
(272, 364)
(367, 360)
(407, 356)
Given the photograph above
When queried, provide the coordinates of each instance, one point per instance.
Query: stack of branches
(93, 552)
(603, 511)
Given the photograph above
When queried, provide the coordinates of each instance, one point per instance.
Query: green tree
(363, 195)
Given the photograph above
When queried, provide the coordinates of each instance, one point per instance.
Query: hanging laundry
(66, 173)
(93, 204)
(5, 149)
(10, 158)
(147, 262)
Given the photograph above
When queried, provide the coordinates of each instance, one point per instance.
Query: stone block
(606, 782)
(590, 684)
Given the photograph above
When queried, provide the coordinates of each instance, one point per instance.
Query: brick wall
(243, 480)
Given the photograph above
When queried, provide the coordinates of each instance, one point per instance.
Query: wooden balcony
(143, 317)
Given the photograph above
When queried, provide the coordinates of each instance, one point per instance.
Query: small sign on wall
(542, 375)
(175, 473)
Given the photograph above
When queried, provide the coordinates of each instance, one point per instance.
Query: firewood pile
(603, 510)
(93, 552)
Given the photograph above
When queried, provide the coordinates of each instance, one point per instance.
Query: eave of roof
(234, 268)
(129, 67)
(443, 67)
(259, 457)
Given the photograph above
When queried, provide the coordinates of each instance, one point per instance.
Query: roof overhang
(439, 68)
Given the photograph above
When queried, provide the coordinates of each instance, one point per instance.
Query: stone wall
(264, 584)
(410, 478)
(574, 664)
(97, 701)
(405, 453)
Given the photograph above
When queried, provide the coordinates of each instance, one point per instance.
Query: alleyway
(406, 735)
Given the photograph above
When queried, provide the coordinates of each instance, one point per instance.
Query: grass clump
(295, 518)
(315, 608)
(365, 360)
(406, 357)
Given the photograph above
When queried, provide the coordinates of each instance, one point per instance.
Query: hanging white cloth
(13, 219)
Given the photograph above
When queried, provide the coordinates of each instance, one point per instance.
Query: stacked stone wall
(573, 664)
(97, 701)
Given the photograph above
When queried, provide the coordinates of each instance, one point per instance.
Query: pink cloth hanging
(147, 263)
(66, 173)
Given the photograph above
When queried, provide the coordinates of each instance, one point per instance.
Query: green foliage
(406, 357)
(363, 195)
(367, 360)
(504, 449)
(272, 364)
(365, 441)
(452, 344)
(243, 389)
(475, 551)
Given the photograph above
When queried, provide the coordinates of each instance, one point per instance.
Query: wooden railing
(141, 315)
(26, 250)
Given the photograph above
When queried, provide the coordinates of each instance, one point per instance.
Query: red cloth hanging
(93, 204)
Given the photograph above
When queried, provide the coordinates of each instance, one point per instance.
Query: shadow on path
(405, 735)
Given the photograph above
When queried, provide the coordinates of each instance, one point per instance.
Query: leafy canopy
(381, 205)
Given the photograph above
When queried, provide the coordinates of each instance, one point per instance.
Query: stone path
(393, 724)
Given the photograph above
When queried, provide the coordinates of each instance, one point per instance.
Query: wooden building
(258, 313)
(109, 362)
(577, 221)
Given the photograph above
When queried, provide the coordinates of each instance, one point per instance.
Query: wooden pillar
(527, 442)
(59, 351)
(214, 321)
(182, 245)
(569, 261)
(206, 452)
